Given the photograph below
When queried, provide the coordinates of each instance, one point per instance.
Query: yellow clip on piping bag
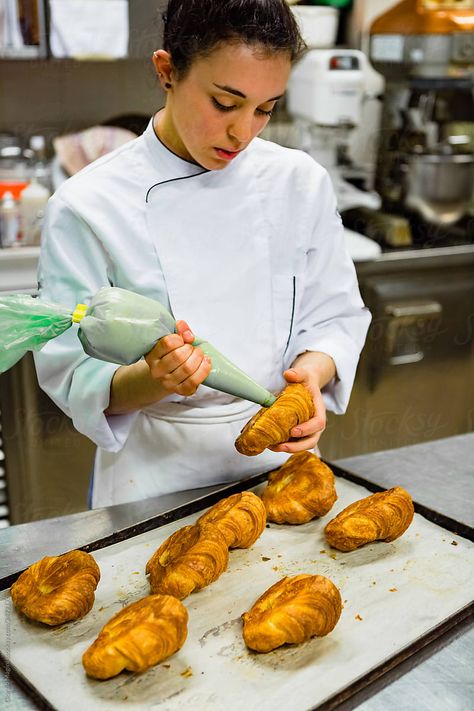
(118, 326)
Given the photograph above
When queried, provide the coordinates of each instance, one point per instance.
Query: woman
(236, 234)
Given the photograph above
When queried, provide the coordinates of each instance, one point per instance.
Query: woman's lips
(226, 155)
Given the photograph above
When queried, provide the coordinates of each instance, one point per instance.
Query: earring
(167, 85)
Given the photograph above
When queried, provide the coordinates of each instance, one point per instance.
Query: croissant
(138, 637)
(188, 560)
(57, 589)
(300, 490)
(379, 517)
(272, 425)
(240, 518)
(292, 611)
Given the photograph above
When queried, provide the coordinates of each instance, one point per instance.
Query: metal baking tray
(402, 601)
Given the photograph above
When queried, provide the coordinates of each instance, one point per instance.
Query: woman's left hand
(310, 369)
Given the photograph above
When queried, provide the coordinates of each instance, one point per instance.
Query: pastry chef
(237, 235)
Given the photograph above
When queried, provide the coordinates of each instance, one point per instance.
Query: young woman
(237, 235)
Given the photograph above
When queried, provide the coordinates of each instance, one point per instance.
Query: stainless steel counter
(439, 475)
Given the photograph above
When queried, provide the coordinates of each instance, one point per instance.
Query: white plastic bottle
(40, 165)
(33, 200)
(9, 222)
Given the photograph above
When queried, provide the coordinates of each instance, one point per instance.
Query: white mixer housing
(326, 87)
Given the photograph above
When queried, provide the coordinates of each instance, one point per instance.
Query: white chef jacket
(252, 257)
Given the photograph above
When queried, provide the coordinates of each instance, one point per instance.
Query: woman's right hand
(178, 366)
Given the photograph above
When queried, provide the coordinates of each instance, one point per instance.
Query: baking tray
(272, 557)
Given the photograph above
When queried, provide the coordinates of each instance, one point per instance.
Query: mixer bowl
(439, 186)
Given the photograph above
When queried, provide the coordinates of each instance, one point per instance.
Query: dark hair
(194, 28)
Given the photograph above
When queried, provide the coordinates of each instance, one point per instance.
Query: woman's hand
(313, 370)
(177, 365)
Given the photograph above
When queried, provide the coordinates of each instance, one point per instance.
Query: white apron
(212, 260)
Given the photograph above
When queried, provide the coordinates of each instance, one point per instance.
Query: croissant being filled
(380, 517)
(138, 637)
(57, 589)
(300, 490)
(240, 518)
(188, 560)
(272, 425)
(292, 611)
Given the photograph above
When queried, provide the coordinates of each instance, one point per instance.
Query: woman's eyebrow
(236, 92)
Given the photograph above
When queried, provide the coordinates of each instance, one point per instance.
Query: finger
(191, 384)
(293, 376)
(184, 370)
(168, 363)
(183, 329)
(165, 345)
(313, 426)
(297, 445)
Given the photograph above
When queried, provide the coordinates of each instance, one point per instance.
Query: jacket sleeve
(73, 267)
(331, 317)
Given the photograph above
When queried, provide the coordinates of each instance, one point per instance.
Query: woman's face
(221, 104)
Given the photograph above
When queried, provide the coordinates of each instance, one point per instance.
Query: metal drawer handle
(416, 309)
(405, 329)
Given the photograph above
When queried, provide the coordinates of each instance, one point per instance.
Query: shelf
(18, 266)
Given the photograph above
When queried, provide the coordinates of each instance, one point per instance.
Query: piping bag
(118, 326)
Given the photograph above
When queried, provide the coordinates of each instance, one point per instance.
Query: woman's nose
(241, 127)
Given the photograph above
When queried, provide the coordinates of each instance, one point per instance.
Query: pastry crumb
(333, 556)
(374, 582)
(267, 525)
(454, 543)
(264, 557)
(323, 552)
(392, 590)
(187, 672)
(136, 572)
(275, 567)
(358, 617)
(166, 666)
(279, 555)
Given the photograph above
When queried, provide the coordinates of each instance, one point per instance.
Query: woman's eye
(264, 113)
(221, 107)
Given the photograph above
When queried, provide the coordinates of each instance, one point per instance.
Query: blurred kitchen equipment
(14, 174)
(22, 29)
(425, 164)
(318, 25)
(324, 96)
(76, 150)
(9, 220)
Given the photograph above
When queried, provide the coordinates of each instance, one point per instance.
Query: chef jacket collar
(168, 164)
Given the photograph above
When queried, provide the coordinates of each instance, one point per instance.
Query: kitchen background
(414, 253)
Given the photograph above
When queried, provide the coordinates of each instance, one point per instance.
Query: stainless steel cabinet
(415, 380)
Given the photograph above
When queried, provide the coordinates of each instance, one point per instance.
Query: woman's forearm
(133, 388)
(319, 364)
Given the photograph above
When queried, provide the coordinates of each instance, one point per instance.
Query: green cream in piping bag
(118, 326)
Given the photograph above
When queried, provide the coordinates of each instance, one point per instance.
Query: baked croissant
(240, 518)
(272, 425)
(57, 589)
(188, 560)
(138, 637)
(300, 490)
(379, 517)
(292, 611)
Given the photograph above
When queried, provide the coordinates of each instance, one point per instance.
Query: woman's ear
(163, 68)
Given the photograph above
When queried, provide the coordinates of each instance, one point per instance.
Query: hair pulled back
(194, 28)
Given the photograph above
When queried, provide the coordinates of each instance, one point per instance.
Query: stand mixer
(324, 97)
(425, 164)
